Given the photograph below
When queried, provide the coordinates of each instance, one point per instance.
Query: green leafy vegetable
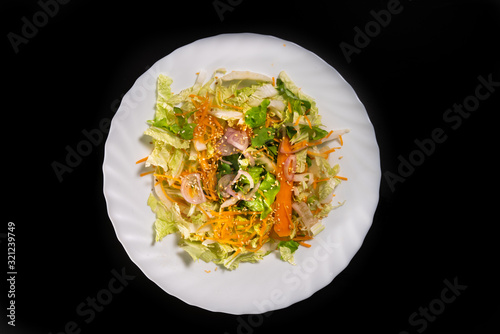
(256, 116)
(262, 136)
(287, 248)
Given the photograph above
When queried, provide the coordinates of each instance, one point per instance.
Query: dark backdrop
(428, 75)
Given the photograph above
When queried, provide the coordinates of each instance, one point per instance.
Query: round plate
(270, 284)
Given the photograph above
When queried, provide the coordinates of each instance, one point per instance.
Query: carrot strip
(146, 173)
(308, 121)
(297, 121)
(166, 195)
(341, 177)
(330, 151)
(141, 160)
(283, 213)
(232, 106)
(317, 154)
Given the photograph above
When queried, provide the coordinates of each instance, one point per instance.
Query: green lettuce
(165, 222)
(233, 261)
(198, 251)
(286, 249)
(265, 197)
(256, 116)
(168, 137)
(263, 136)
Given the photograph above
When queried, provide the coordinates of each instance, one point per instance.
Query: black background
(439, 224)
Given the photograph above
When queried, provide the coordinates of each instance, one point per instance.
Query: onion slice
(229, 202)
(238, 139)
(222, 185)
(305, 213)
(232, 141)
(228, 190)
(191, 189)
(289, 163)
(246, 174)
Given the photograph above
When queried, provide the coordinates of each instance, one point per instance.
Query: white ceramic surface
(271, 284)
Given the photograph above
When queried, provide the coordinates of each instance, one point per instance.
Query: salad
(240, 166)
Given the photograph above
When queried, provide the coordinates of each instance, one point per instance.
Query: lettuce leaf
(198, 251)
(287, 248)
(233, 261)
(167, 137)
(262, 136)
(265, 197)
(256, 116)
(164, 92)
(165, 222)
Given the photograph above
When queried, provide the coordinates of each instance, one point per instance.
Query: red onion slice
(246, 174)
(229, 202)
(250, 195)
(305, 213)
(222, 185)
(232, 141)
(238, 139)
(249, 156)
(237, 195)
(289, 164)
(191, 189)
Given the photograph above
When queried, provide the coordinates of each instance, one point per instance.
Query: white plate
(270, 284)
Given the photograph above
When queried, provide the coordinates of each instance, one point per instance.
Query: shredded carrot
(329, 151)
(166, 195)
(237, 252)
(232, 106)
(146, 173)
(231, 213)
(274, 81)
(141, 160)
(317, 154)
(329, 134)
(238, 233)
(304, 143)
(308, 121)
(304, 244)
(322, 180)
(341, 177)
(297, 121)
(341, 140)
(161, 176)
(206, 214)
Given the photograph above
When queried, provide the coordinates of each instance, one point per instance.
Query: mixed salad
(241, 167)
